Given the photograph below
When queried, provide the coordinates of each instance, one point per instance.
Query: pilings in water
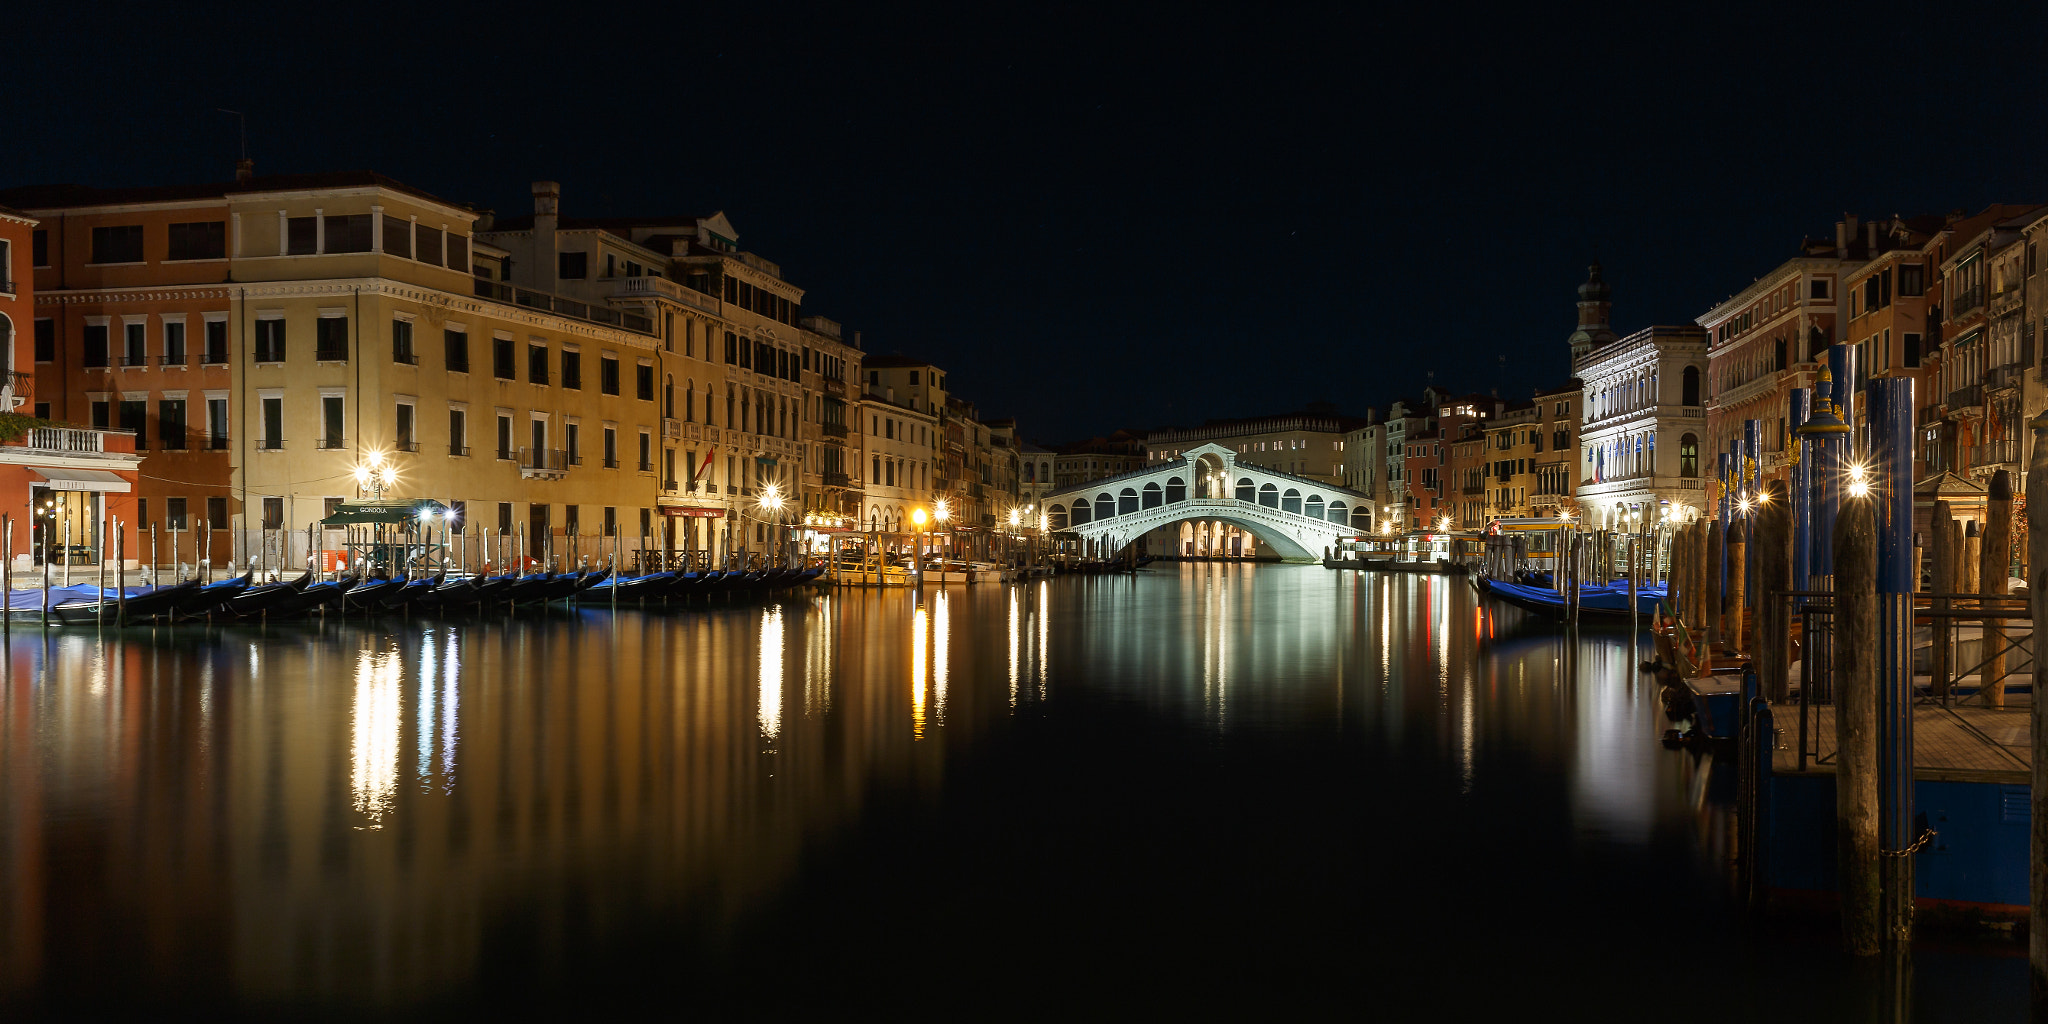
(1855, 682)
(1991, 580)
(1888, 410)
(1714, 604)
(1738, 584)
(2037, 599)
(1773, 580)
(1941, 580)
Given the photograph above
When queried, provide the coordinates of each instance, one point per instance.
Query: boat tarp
(391, 511)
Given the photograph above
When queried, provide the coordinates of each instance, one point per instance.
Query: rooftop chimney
(1870, 240)
(245, 169)
(1841, 238)
(547, 208)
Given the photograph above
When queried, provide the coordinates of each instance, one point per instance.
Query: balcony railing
(646, 466)
(217, 443)
(1995, 453)
(1965, 397)
(134, 359)
(179, 361)
(271, 444)
(2001, 377)
(330, 353)
(332, 443)
(505, 292)
(543, 460)
(833, 429)
(406, 446)
(837, 479)
(611, 462)
(215, 357)
(458, 450)
(1966, 300)
(24, 384)
(60, 439)
(671, 429)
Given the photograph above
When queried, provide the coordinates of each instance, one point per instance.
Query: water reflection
(225, 810)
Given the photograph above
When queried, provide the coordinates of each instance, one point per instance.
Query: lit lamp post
(917, 520)
(1010, 542)
(942, 511)
(373, 475)
(771, 500)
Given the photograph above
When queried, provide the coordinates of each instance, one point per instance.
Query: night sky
(1098, 216)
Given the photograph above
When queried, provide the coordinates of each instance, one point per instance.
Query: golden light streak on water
(940, 651)
(770, 708)
(917, 672)
(374, 743)
(1013, 646)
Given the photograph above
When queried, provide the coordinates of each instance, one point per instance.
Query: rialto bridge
(1295, 516)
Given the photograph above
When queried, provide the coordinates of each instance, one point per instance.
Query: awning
(395, 510)
(81, 480)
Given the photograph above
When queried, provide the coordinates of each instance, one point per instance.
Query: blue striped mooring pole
(1889, 414)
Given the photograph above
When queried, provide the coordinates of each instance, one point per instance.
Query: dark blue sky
(1100, 217)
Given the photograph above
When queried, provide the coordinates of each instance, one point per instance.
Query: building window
(456, 345)
(397, 237)
(501, 359)
(1912, 346)
(458, 432)
(1688, 456)
(572, 369)
(117, 244)
(536, 363)
(217, 513)
(572, 442)
(428, 240)
(135, 417)
(572, 266)
(174, 343)
(401, 342)
(348, 234)
(200, 240)
(96, 353)
(504, 517)
(611, 448)
(174, 514)
(403, 425)
(270, 341)
(46, 341)
(643, 381)
(333, 432)
(217, 424)
(646, 452)
(1817, 288)
(1689, 386)
(170, 424)
(611, 520)
(302, 236)
(330, 339)
(133, 345)
(39, 247)
(608, 375)
(217, 342)
(504, 437)
(101, 415)
(273, 513)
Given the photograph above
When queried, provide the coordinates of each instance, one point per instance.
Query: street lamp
(771, 499)
(374, 474)
(917, 520)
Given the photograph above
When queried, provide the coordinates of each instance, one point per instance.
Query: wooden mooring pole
(1941, 581)
(1995, 569)
(1855, 682)
(1773, 580)
(1716, 536)
(1738, 582)
(2037, 599)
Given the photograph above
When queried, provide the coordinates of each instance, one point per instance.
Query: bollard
(1993, 571)
(1855, 683)
(1774, 579)
(1970, 558)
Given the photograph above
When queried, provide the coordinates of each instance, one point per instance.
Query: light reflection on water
(239, 789)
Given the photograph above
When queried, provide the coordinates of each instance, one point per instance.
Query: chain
(1926, 836)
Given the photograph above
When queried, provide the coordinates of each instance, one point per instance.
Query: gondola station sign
(396, 511)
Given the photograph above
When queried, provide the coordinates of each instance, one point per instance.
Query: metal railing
(506, 292)
(330, 354)
(214, 358)
(24, 384)
(1970, 395)
(406, 446)
(833, 429)
(458, 450)
(271, 444)
(555, 460)
(134, 359)
(1994, 453)
(181, 360)
(333, 443)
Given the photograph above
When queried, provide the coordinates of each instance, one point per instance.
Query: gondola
(449, 595)
(210, 597)
(1605, 603)
(143, 606)
(410, 591)
(561, 585)
(261, 600)
(317, 598)
(368, 595)
(619, 588)
(526, 588)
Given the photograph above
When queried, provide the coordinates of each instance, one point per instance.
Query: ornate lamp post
(771, 500)
(917, 521)
(373, 475)
(942, 511)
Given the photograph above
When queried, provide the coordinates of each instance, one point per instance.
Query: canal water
(1226, 790)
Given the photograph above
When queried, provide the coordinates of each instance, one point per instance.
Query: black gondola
(369, 594)
(261, 600)
(142, 607)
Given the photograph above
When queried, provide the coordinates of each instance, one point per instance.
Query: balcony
(174, 362)
(501, 291)
(134, 359)
(611, 462)
(671, 429)
(214, 358)
(1966, 300)
(324, 354)
(270, 444)
(833, 429)
(543, 463)
(670, 486)
(63, 439)
(2001, 378)
(661, 287)
(23, 384)
(646, 466)
(837, 479)
(1995, 453)
(835, 386)
(1966, 398)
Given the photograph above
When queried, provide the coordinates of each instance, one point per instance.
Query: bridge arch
(1269, 495)
(1176, 490)
(1126, 502)
(1247, 489)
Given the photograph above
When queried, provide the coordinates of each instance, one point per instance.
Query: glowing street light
(374, 474)
(941, 510)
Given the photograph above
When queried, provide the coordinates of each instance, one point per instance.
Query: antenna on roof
(244, 167)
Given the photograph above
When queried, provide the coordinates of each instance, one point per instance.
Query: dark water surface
(1219, 790)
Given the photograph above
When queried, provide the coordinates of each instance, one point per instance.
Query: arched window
(1246, 490)
(1152, 495)
(1057, 515)
(668, 398)
(1105, 506)
(1291, 501)
(1338, 512)
(1269, 495)
(1176, 490)
(1361, 519)
(1691, 387)
(1313, 507)
(1688, 455)
(1126, 502)
(1082, 513)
